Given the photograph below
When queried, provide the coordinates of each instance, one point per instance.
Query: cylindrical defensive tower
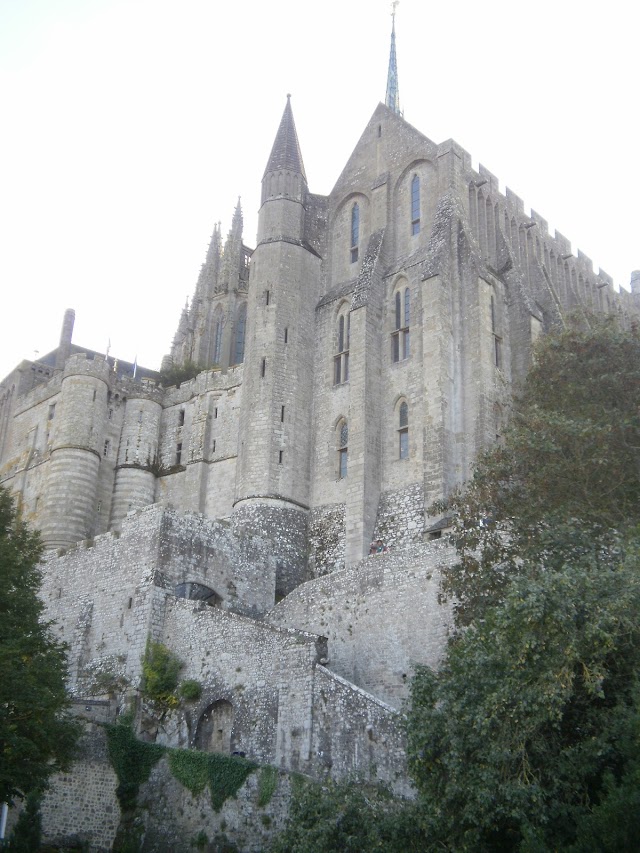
(137, 456)
(81, 414)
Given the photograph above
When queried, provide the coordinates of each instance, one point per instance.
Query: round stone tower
(72, 481)
(135, 483)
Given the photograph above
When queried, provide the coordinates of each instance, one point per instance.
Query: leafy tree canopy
(571, 452)
(37, 737)
(528, 738)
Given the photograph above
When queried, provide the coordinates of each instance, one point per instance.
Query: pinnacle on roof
(393, 99)
(236, 225)
(285, 153)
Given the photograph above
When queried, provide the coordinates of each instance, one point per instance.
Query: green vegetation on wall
(160, 669)
(131, 759)
(267, 784)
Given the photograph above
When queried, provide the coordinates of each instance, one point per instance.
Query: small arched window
(403, 431)
(355, 232)
(415, 205)
(343, 443)
(241, 325)
(341, 357)
(400, 336)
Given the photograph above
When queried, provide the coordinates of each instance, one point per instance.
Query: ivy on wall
(133, 760)
(267, 784)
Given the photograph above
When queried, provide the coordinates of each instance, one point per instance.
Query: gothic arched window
(415, 205)
(403, 431)
(241, 325)
(341, 357)
(343, 443)
(400, 335)
(355, 232)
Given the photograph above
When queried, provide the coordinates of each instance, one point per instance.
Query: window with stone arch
(342, 437)
(218, 326)
(341, 351)
(241, 327)
(415, 205)
(355, 232)
(403, 430)
(400, 341)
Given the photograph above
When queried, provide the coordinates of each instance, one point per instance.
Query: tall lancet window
(355, 232)
(343, 442)
(217, 337)
(415, 205)
(403, 431)
(400, 335)
(241, 325)
(341, 357)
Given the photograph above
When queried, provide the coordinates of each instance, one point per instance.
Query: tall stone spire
(393, 100)
(285, 154)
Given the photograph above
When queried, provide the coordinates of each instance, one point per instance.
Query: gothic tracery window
(400, 336)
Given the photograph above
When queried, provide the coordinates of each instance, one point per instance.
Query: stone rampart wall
(380, 616)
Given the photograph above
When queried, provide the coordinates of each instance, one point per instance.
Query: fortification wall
(380, 617)
(107, 595)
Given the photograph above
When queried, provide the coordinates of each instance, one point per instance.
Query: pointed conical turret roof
(285, 153)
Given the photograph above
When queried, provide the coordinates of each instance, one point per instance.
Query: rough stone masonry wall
(286, 528)
(380, 616)
(400, 517)
(105, 595)
(82, 803)
(326, 539)
(356, 736)
(249, 664)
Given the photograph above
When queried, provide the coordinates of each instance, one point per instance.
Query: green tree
(528, 738)
(37, 736)
(348, 817)
(571, 452)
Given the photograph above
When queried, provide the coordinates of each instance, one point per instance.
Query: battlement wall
(499, 221)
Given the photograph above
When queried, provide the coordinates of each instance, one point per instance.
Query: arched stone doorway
(213, 733)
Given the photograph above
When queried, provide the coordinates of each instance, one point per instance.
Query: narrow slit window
(282, 414)
(286, 334)
(178, 453)
(415, 205)
(355, 232)
(263, 369)
(280, 456)
(181, 417)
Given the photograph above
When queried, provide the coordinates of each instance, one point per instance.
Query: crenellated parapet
(557, 280)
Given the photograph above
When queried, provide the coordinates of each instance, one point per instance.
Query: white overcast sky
(129, 127)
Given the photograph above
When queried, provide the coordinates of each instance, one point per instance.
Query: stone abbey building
(352, 366)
